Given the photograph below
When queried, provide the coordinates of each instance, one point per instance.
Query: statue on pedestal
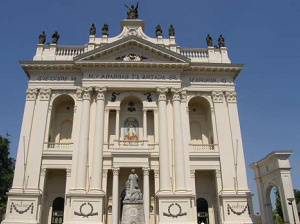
(221, 41)
(132, 12)
(42, 38)
(93, 29)
(171, 31)
(209, 41)
(55, 37)
(133, 204)
(158, 31)
(105, 29)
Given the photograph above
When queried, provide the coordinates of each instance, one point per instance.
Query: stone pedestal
(133, 213)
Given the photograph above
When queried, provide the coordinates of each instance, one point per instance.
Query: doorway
(202, 211)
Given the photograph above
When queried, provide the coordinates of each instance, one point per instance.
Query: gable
(132, 49)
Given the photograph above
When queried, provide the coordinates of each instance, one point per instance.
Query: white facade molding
(231, 96)
(217, 96)
(31, 94)
(44, 94)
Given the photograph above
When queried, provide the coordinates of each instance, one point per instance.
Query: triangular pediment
(132, 49)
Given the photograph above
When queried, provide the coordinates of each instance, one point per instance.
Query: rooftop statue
(221, 41)
(42, 38)
(133, 191)
(132, 12)
(158, 31)
(55, 37)
(209, 41)
(105, 29)
(171, 31)
(93, 29)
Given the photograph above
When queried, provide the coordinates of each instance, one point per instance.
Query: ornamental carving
(100, 91)
(217, 96)
(156, 173)
(86, 215)
(231, 97)
(31, 94)
(232, 209)
(43, 172)
(162, 93)
(183, 96)
(218, 173)
(69, 172)
(149, 97)
(86, 93)
(79, 94)
(172, 211)
(45, 94)
(114, 96)
(131, 57)
(192, 173)
(104, 173)
(176, 94)
(116, 171)
(13, 206)
(146, 171)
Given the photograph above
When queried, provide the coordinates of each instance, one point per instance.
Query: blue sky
(262, 34)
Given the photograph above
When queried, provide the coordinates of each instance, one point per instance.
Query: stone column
(19, 177)
(98, 140)
(145, 124)
(225, 143)
(180, 182)
(146, 194)
(164, 164)
(115, 196)
(82, 151)
(117, 136)
(218, 182)
(36, 144)
(242, 183)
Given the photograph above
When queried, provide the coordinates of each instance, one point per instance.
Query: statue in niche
(171, 31)
(132, 190)
(55, 37)
(105, 29)
(93, 29)
(42, 38)
(132, 12)
(209, 41)
(158, 31)
(131, 129)
(221, 41)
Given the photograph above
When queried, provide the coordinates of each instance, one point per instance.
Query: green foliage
(7, 166)
(278, 211)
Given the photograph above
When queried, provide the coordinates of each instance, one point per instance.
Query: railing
(53, 145)
(195, 54)
(203, 147)
(69, 51)
(131, 143)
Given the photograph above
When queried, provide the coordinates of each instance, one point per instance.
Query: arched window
(58, 210)
(202, 211)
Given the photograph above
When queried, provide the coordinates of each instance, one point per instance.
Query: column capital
(31, 94)
(69, 172)
(162, 93)
(43, 171)
(146, 171)
(183, 96)
(217, 96)
(156, 173)
(176, 94)
(218, 173)
(44, 94)
(116, 171)
(105, 173)
(230, 96)
(84, 93)
(192, 173)
(100, 91)
(145, 110)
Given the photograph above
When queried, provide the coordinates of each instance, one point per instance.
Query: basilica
(130, 106)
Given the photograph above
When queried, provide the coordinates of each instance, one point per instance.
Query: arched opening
(273, 205)
(60, 133)
(202, 211)
(201, 132)
(58, 210)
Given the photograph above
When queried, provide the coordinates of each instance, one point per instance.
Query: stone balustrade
(203, 147)
(196, 55)
(59, 146)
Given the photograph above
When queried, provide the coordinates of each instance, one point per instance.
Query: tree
(278, 209)
(7, 166)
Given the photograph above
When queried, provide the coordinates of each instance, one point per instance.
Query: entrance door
(58, 210)
(202, 211)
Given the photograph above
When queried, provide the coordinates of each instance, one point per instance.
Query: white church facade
(95, 112)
